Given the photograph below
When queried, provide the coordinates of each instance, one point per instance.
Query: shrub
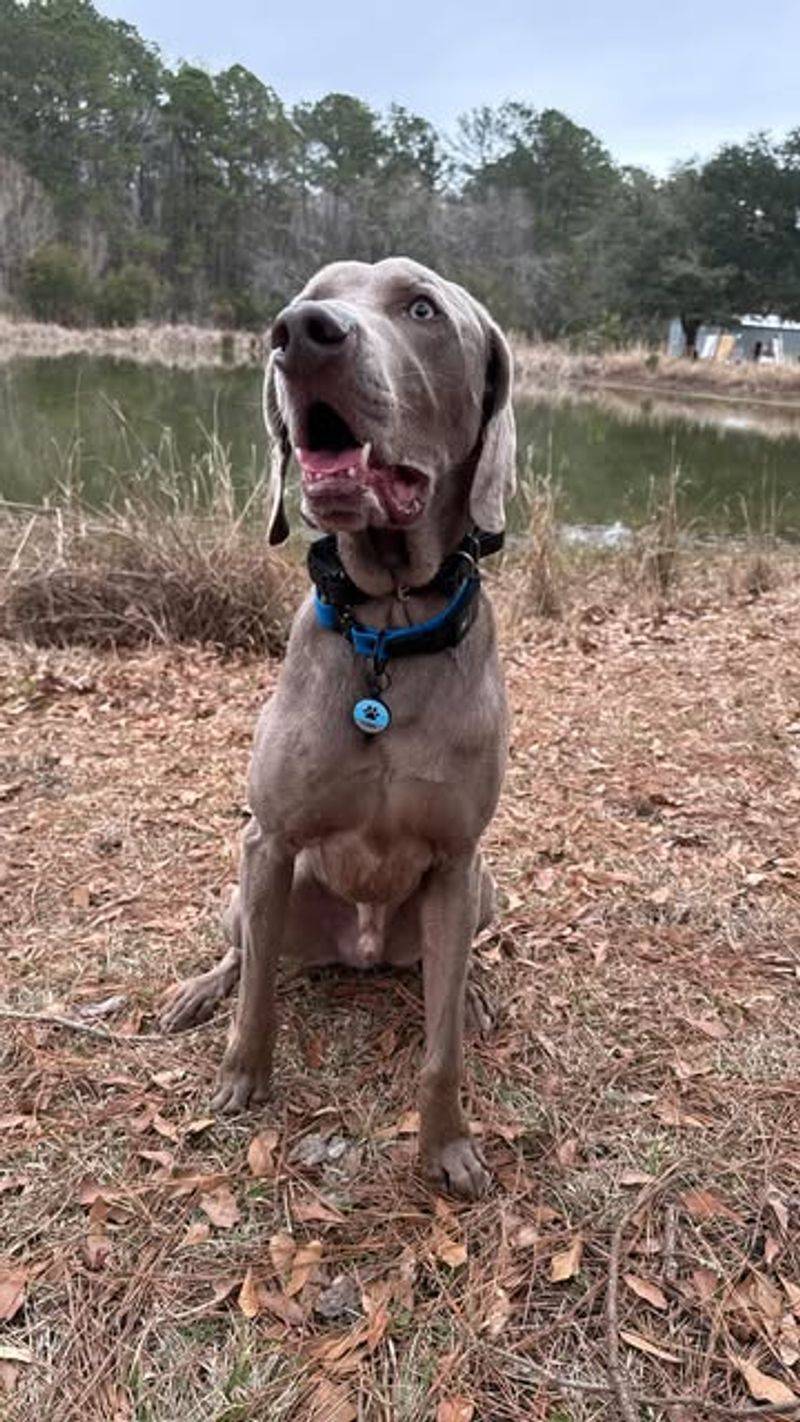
(56, 284)
(126, 296)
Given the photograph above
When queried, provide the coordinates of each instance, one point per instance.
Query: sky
(656, 82)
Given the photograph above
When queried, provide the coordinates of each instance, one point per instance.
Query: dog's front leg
(449, 916)
(265, 885)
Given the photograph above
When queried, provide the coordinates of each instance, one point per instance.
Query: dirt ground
(638, 1097)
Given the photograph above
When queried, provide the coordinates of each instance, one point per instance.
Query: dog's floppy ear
(495, 477)
(279, 456)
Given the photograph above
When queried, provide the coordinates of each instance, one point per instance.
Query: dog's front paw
(192, 1002)
(459, 1167)
(242, 1081)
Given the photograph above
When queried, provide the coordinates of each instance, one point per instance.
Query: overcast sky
(655, 81)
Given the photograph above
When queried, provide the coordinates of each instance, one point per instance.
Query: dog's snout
(309, 332)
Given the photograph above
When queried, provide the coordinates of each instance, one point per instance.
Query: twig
(670, 1270)
(621, 1383)
(92, 1030)
(700, 1404)
(621, 1386)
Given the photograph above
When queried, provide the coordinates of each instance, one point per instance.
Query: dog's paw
(241, 1082)
(459, 1167)
(192, 1002)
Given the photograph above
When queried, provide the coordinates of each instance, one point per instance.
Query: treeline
(180, 194)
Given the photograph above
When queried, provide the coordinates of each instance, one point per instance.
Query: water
(92, 419)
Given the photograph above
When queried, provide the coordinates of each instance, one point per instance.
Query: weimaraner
(392, 389)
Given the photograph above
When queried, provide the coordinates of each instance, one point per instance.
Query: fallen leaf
(647, 1345)
(13, 1278)
(635, 1177)
(282, 1307)
(762, 1386)
(644, 1289)
(706, 1283)
(9, 1373)
(331, 1402)
(705, 1205)
(317, 1211)
(671, 1114)
(282, 1249)
(97, 1245)
(197, 1233)
(164, 1158)
(455, 1409)
(567, 1152)
(792, 1291)
(260, 1153)
(221, 1207)
(408, 1125)
(305, 1260)
(567, 1262)
(196, 1127)
(81, 896)
(452, 1252)
(498, 1313)
(249, 1299)
(165, 1128)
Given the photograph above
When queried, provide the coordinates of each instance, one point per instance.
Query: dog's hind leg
(195, 999)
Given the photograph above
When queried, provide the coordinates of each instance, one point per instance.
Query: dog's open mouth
(340, 474)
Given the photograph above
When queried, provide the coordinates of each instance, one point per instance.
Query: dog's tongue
(326, 461)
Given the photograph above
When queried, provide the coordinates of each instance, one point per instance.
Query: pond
(90, 421)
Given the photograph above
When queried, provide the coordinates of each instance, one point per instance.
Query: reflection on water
(96, 419)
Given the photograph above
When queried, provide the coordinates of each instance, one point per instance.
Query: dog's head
(392, 389)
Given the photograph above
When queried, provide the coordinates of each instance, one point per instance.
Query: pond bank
(540, 365)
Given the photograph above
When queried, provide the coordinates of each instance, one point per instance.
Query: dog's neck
(380, 560)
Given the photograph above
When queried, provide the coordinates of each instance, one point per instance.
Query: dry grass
(551, 365)
(182, 558)
(181, 345)
(640, 1089)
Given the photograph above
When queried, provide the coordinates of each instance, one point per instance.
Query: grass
(641, 1088)
(181, 558)
(553, 366)
(181, 344)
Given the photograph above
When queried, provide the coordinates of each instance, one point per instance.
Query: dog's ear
(495, 477)
(279, 456)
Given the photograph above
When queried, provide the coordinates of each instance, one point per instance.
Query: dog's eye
(422, 309)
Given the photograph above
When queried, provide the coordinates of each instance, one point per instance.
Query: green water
(90, 420)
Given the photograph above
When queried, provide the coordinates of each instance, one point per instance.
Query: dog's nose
(308, 333)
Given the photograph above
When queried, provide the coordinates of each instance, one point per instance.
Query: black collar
(334, 586)
(458, 579)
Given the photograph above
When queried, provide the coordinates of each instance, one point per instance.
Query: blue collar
(446, 629)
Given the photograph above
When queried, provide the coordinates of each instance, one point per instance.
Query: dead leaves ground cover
(637, 1098)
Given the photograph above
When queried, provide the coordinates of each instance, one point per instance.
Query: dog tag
(371, 716)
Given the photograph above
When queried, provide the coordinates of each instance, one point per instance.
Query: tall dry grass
(181, 557)
(182, 345)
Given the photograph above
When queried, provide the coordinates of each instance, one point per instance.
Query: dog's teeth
(366, 450)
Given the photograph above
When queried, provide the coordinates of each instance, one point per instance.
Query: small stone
(341, 1299)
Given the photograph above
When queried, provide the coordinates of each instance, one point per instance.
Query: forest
(177, 194)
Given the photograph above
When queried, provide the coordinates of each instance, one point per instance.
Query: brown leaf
(249, 1299)
(197, 1233)
(705, 1205)
(647, 1345)
(455, 1409)
(317, 1211)
(566, 1263)
(671, 1114)
(165, 1128)
(260, 1153)
(305, 1260)
(9, 1373)
(792, 1291)
(331, 1402)
(283, 1308)
(452, 1252)
(282, 1249)
(644, 1289)
(221, 1207)
(497, 1314)
(13, 1278)
(408, 1125)
(635, 1177)
(762, 1386)
(567, 1152)
(97, 1245)
(196, 1127)
(705, 1283)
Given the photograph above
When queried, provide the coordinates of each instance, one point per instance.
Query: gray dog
(379, 759)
